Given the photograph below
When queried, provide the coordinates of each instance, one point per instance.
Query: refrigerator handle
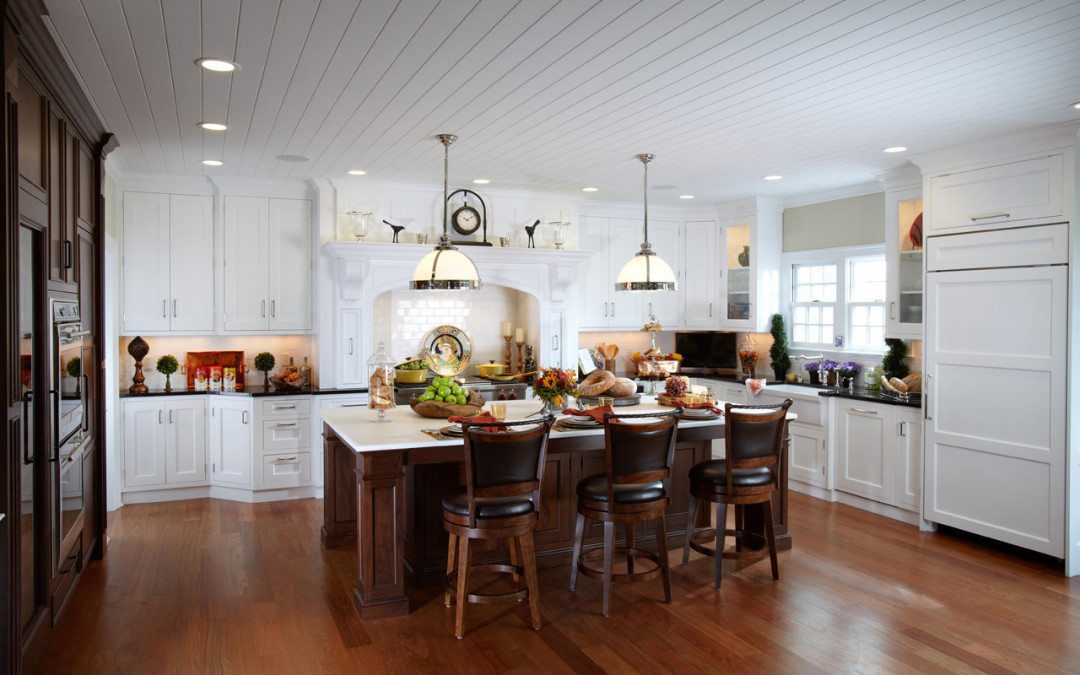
(926, 399)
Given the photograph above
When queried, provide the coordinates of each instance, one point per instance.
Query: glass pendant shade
(646, 271)
(445, 268)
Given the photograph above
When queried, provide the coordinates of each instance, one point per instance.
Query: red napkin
(596, 413)
(702, 406)
(478, 418)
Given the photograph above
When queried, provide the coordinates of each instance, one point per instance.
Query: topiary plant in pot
(167, 365)
(778, 352)
(895, 361)
(264, 361)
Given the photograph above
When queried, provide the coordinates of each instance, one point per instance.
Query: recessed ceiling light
(212, 162)
(589, 189)
(356, 172)
(218, 65)
(1077, 105)
(772, 177)
(686, 196)
(292, 158)
(213, 126)
(895, 148)
(481, 181)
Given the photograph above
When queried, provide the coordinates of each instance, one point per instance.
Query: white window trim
(826, 256)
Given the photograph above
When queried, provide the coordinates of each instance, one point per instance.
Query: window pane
(800, 315)
(800, 333)
(867, 280)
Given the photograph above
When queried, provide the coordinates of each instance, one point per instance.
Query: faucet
(820, 358)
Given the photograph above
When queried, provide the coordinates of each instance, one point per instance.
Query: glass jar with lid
(381, 385)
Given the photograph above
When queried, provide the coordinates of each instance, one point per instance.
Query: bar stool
(748, 474)
(500, 500)
(632, 489)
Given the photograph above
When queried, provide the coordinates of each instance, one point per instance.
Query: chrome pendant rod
(645, 159)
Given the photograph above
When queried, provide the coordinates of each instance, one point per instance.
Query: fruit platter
(290, 378)
(677, 393)
(445, 397)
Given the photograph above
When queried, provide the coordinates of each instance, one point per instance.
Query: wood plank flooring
(209, 586)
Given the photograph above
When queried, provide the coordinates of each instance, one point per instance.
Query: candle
(519, 335)
(506, 329)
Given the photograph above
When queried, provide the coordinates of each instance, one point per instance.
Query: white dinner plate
(579, 421)
(698, 412)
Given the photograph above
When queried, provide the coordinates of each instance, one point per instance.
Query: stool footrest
(587, 567)
(521, 593)
(699, 542)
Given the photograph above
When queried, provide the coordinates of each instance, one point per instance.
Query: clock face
(466, 220)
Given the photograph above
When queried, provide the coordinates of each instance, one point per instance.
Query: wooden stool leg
(691, 520)
(451, 554)
(629, 545)
(462, 587)
(662, 552)
(770, 535)
(740, 526)
(532, 582)
(721, 529)
(609, 558)
(515, 559)
(579, 534)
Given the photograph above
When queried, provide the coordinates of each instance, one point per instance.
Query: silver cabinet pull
(863, 410)
(262, 309)
(170, 417)
(165, 309)
(554, 343)
(243, 417)
(285, 425)
(273, 308)
(285, 460)
(174, 308)
(926, 400)
(988, 216)
(710, 310)
(892, 310)
(350, 346)
(161, 417)
(612, 308)
(650, 309)
(282, 406)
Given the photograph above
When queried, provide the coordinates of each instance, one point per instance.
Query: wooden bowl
(440, 410)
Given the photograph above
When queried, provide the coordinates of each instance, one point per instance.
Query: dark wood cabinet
(33, 123)
(85, 276)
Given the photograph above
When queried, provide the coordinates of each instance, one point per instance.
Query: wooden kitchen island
(384, 484)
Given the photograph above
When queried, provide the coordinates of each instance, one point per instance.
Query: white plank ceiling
(556, 95)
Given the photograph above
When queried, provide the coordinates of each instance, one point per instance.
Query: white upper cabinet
(612, 242)
(700, 252)
(267, 264)
(1025, 192)
(750, 254)
(290, 262)
(145, 288)
(168, 263)
(904, 252)
(191, 265)
(246, 233)
(665, 236)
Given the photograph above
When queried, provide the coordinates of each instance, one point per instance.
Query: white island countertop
(356, 428)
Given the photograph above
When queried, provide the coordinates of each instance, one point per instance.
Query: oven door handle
(55, 393)
(80, 333)
(27, 398)
(85, 402)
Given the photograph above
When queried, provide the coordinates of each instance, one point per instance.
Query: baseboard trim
(221, 492)
(887, 510)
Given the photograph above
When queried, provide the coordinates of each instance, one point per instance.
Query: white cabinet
(229, 441)
(878, 451)
(750, 252)
(807, 453)
(164, 441)
(909, 452)
(904, 253)
(144, 442)
(185, 441)
(352, 370)
(168, 263)
(1024, 192)
(267, 264)
(358, 401)
(612, 242)
(701, 308)
(666, 237)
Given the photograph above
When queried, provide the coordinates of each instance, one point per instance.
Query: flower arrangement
(555, 386)
(849, 369)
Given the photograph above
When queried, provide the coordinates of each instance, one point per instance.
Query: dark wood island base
(388, 503)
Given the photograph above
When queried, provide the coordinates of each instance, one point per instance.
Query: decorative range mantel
(363, 271)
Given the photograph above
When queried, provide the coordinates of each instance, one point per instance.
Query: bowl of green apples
(445, 397)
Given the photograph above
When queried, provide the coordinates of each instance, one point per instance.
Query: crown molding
(1050, 138)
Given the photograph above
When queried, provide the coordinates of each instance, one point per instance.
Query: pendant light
(646, 271)
(445, 268)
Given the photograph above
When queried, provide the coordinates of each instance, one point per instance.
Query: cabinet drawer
(285, 470)
(1029, 190)
(281, 435)
(1013, 247)
(810, 410)
(289, 407)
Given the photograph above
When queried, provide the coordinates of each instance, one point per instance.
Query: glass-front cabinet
(904, 251)
(737, 255)
(750, 251)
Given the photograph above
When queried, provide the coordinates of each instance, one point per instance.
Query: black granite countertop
(252, 390)
(860, 394)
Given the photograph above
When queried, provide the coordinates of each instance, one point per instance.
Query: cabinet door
(596, 285)
(290, 260)
(71, 202)
(904, 263)
(1025, 191)
(144, 443)
(185, 442)
(700, 250)
(908, 453)
(145, 285)
(246, 247)
(352, 369)
(191, 263)
(623, 241)
(556, 355)
(807, 454)
(230, 443)
(86, 266)
(864, 450)
(58, 241)
(667, 306)
(732, 393)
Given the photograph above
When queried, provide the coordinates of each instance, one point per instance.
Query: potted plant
(264, 361)
(813, 369)
(167, 365)
(778, 352)
(74, 369)
(894, 364)
(828, 375)
(848, 371)
(554, 387)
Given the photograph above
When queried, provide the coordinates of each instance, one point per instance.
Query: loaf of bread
(913, 382)
(621, 388)
(596, 384)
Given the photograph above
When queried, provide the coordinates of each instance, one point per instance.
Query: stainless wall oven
(70, 425)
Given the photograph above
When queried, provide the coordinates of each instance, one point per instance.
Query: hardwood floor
(210, 586)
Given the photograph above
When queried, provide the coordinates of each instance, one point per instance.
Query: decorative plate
(447, 350)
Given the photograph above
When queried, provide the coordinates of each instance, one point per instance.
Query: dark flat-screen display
(707, 349)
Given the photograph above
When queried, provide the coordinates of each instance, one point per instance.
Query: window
(813, 293)
(837, 298)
